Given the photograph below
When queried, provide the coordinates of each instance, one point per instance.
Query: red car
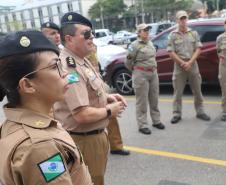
(119, 77)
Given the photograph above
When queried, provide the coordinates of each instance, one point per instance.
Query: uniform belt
(186, 59)
(93, 132)
(140, 68)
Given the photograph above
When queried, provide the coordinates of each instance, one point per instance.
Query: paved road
(192, 152)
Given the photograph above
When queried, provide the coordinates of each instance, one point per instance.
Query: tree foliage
(110, 8)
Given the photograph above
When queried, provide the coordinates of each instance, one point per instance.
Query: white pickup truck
(104, 35)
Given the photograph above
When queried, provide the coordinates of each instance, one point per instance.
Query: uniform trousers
(114, 135)
(94, 149)
(146, 87)
(179, 81)
(222, 79)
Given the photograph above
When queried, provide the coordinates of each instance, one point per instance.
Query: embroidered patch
(52, 168)
(71, 62)
(130, 49)
(73, 77)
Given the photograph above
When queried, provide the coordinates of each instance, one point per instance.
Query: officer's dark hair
(68, 29)
(12, 69)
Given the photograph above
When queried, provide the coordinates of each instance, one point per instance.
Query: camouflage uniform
(221, 50)
(184, 46)
(141, 60)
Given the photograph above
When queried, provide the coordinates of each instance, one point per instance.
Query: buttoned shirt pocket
(94, 90)
(178, 44)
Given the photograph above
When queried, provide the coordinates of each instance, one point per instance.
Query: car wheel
(122, 81)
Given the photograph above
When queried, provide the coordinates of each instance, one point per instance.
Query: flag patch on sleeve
(52, 167)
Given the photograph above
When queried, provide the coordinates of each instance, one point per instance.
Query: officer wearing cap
(184, 47)
(52, 32)
(86, 110)
(141, 60)
(35, 148)
(114, 134)
(221, 51)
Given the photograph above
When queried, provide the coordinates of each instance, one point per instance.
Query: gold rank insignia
(99, 93)
(39, 123)
(71, 62)
(25, 42)
(69, 17)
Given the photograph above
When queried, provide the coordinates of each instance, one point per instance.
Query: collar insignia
(71, 62)
(39, 123)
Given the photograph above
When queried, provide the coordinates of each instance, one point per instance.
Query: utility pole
(135, 11)
(142, 10)
(101, 16)
(217, 5)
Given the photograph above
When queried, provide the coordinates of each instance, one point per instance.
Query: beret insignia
(71, 62)
(47, 25)
(69, 17)
(25, 42)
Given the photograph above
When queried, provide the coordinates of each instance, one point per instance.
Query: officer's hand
(120, 98)
(188, 66)
(111, 98)
(116, 108)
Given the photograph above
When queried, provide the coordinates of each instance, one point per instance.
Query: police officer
(52, 32)
(221, 51)
(86, 110)
(141, 60)
(114, 134)
(35, 148)
(184, 48)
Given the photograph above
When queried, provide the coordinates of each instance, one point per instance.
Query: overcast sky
(11, 2)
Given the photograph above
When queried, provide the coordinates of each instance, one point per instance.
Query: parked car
(119, 77)
(158, 27)
(104, 35)
(124, 37)
(108, 53)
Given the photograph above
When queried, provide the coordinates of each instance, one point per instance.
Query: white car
(108, 53)
(123, 37)
(104, 35)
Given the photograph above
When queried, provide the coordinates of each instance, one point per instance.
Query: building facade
(31, 15)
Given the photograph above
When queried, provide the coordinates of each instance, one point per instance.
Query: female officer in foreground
(36, 148)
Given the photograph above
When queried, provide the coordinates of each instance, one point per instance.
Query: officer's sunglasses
(57, 64)
(88, 34)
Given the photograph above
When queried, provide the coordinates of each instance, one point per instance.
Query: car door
(164, 62)
(208, 59)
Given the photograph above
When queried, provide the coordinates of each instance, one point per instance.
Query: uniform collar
(141, 41)
(29, 118)
(177, 30)
(79, 60)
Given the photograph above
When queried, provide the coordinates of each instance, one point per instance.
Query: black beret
(50, 25)
(23, 42)
(75, 18)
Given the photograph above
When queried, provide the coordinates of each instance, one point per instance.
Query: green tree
(110, 8)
